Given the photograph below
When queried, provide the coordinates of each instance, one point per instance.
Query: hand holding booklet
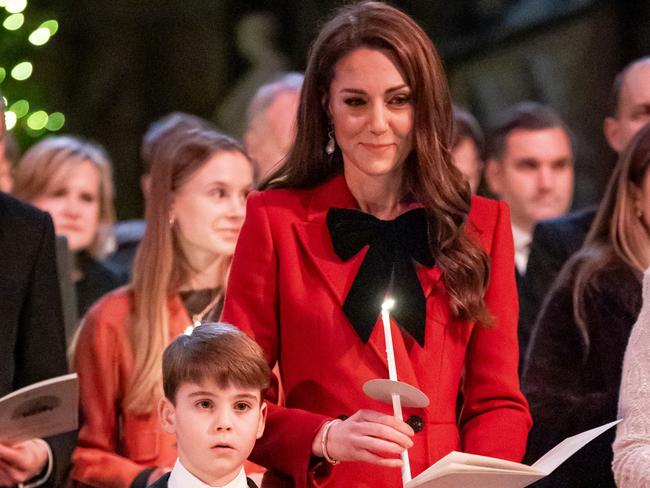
(459, 469)
(40, 410)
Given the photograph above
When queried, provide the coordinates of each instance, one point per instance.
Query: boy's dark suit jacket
(162, 482)
(32, 339)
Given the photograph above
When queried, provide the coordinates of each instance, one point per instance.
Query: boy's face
(215, 428)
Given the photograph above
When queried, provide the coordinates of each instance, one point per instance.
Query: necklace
(197, 318)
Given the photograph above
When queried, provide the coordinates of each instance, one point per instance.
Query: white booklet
(42, 409)
(461, 470)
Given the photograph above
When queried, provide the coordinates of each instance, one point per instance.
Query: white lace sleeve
(632, 445)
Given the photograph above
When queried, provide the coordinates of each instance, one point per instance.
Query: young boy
(213, 379)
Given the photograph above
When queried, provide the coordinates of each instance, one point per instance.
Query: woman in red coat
(369, 203)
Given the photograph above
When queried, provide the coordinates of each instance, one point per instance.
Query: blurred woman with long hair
(573, 371)
(199, 184)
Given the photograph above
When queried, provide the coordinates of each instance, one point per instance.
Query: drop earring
(331, 143)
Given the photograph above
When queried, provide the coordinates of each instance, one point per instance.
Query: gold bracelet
(323, 441)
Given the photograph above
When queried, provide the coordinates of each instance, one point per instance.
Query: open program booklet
(461, 470)
(42, 409)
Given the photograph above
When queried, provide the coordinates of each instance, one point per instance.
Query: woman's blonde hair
(54, 154)
(160, 266)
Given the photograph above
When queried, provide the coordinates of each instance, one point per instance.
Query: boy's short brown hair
(214, 351)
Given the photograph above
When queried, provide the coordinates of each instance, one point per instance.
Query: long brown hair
(430, 175)
(619, 232)
(160, 266)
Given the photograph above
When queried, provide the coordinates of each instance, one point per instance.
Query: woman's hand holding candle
(367, 436)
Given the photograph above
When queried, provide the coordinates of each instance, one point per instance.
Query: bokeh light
(22, 71)
(22, 115)
(20, 108)
(10, 119)
(37, 120)
(15, 6)
(55, 121)
(40, 36)
(14, 22)
(51, 25)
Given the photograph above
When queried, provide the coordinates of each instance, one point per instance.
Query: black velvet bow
(387, 267)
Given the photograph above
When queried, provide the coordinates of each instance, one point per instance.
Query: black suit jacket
(554, 242)
(32, 338)
(164, 479)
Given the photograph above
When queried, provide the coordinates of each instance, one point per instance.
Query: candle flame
(388, 304)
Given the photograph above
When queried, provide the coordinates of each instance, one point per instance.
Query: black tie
(388, 266)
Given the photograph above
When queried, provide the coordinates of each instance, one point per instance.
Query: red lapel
(338, 275)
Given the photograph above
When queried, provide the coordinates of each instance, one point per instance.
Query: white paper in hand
(462, 470)
(40, 410)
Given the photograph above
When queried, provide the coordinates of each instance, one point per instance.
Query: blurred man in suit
(530, 166)
(555, 240)
(32, 340)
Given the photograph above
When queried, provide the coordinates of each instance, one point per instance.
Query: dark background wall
(115, 66)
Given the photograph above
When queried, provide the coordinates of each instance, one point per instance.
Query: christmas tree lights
(22, 32)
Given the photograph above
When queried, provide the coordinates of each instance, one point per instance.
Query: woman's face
(372, 113)
(72, 198)
(209, 208)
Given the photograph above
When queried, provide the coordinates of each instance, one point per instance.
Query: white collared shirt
(180, 477)
(523, 241)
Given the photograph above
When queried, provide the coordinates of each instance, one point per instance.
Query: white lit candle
(390, 353)
(392, 375)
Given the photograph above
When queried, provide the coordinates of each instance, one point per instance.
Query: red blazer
(114, 446)
(286, 289)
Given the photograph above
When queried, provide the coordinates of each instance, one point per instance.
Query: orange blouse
(115, 446)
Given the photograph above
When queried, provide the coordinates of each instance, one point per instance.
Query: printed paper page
(43, 409)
